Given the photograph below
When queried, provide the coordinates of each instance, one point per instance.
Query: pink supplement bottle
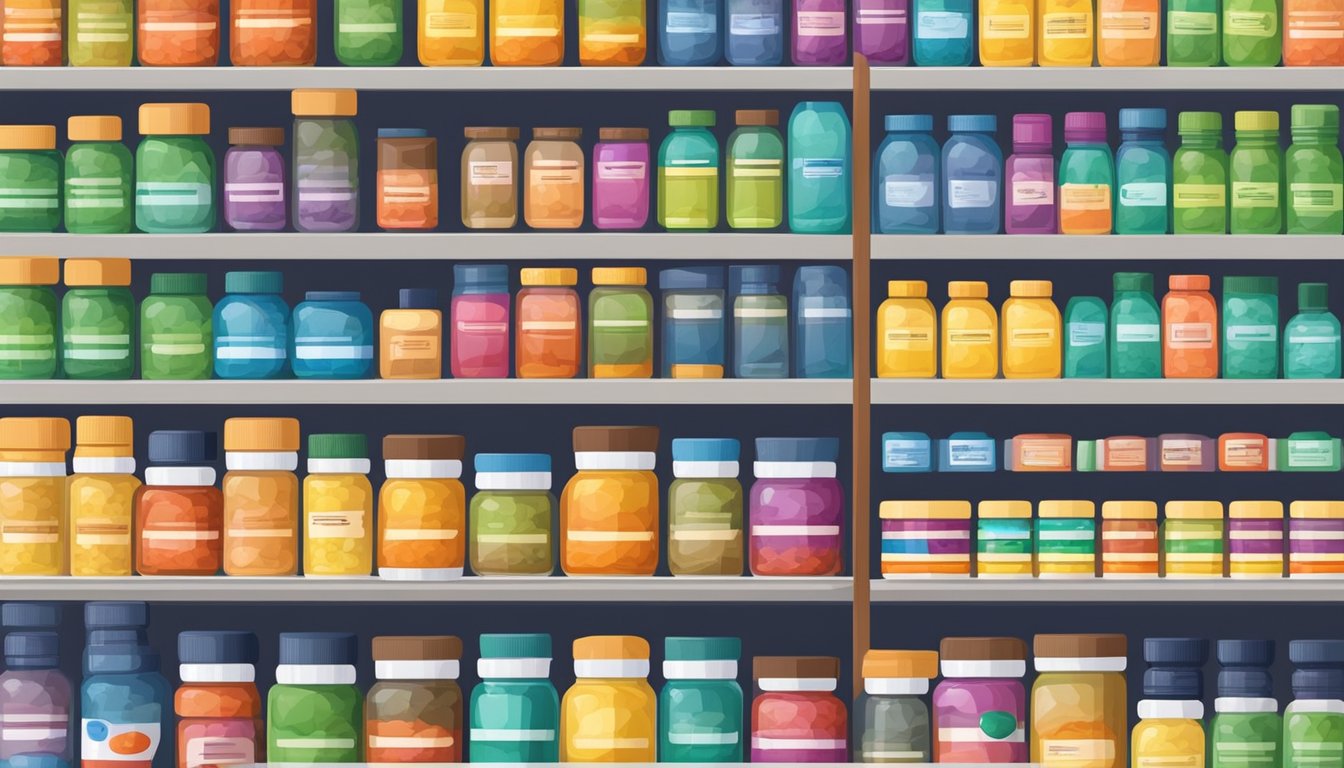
(480, 322)
(218, 705)
(797, 508)
(621, 178)
(819, 33)
(980, 707)
(1030, 205)
(882, 31)
(797, 718)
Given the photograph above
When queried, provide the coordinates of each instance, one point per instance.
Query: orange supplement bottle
(422, 508)
(1129, 33)
(179, 513)
(178, 33)
(410, 337)
(527, 33)
(1189, 329)
(451, 33)
(261, 497)
(273, 33)
(1245, 452)
(408, 179)
(31, 33)
(609, 509)
(32, 496)
(1313, 33)
(1129, 543)
(553, 193)
(548, 324)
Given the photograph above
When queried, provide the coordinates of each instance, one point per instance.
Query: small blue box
(967, 452)
(907, 452)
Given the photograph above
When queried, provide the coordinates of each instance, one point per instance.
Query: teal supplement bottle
(1252, 36)
(756, 171)
(1313, 724)
(1256, 168)
(98, 177)
(1311, 340)
(1193, 33)
(1307, 452)
(369, 33)
(819, 168)
(1199, 176)
(1136, 328)
(1142, 174)
(175, 170)
(98, 320)
(1086, 177)
(1085, 338)
(28, 310)
(1250, 328)
(1246, 731)
(30, 179)
(315, 712)
(1314, 172)
(515, 710)
(176, 331)
(700, 707)
(688, 172)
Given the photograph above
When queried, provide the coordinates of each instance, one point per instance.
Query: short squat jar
(333, 336)
(255, 197)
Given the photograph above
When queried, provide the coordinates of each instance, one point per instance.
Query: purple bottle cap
(1085, 126)
(1032, 133)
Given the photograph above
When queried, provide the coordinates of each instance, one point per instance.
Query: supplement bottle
(620, 324)
(1314, 172)
(704, 506)
(549, 332)
(98, 173)
(1142, 174)
(612, 33)
(450, 33)
(972, 175)
(1311, 340)
(34, 694)
(273, 33)
(692, 330)
(123, 700)
(819, 167)
(1189, 329)
(101, 34)
(1311, 34)
(333, 336)
(489, 178)
(608, 714)
(1255, 540)
(1313, 723)
(408, 179)
(882, 31)
(1078, 703)
(369, 33)
(515, 711)
(1252, 36)
(1184, 452)
(261, 497)
(527, 33)
(1250, 328)
(1199, 176)
(40, 47)
(755, 196)
(905, 201)
(1003, 544)
(1192, 540)
(254, 180)
(1314, 451)
(1086, 176)
(970, 332)
(1129, 33)
(175, 328)
(422, 509)
(1246, 729)
(178, 33)
(218, 705)
(1085, 338)
(760, 324)
(1256, 171)
(1129, 539)
(823, 329)
(925, 538)
(1031, 207)
(553, 194)
(479, 316)
(1193, 38)
(102, 497)
(980, 707)
(33, 496)
(174, 169)
(1066, 33)
(1170, 728)
(797, 718)
(326, 160)
(411, 336)
(30, 167)
(1066, 533)
(1007, 38)
(621, 178)
(253, 327)
(609, 509)
(1031, 332)
(1314, 539)
(511, 513)
(689, 33)
(97, 320)
(337, 507)
(819, 33)
(1135, 350)
(700, 707)
(755, 33)
(688, 172)
(414, 713)
(907, 332)
(891, 720)
(179, 513)
(943, 34)
(797, 508)
(315, 710)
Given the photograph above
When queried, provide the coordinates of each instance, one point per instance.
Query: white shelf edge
(1103, 590)
(1106, 78)
(1107, 392)
(917, 248)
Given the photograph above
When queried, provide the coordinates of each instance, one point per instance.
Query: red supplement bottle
(179, 513)
(218, 705)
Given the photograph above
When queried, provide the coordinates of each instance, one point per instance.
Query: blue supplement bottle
(819, 172)
(755, 33)
(700, 707)
(967, 452)
(1311, 340)
(760, 324)
(692, 322)
(252, 327)
(906, 199)
(905, 452)
(333, 336)
(515, 710)
(124, 701)
(942, 33)
(689, 33)
(1143, 174)
(973, 176)
(823, 329)
(35, 696)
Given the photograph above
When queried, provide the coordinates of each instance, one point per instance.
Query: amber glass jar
(490, 178)
(408, 179)
(553, 195)
(178, 33)
(273, 33)
(414, 712)
(261, 497)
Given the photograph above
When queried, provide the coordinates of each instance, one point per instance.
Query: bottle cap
(34, 434)
(1318, 684)
(1085, 126)
(320, 102)
(553, 276)
(622, 134)
(331, 296)
(691, 279)
(611, 647)
(1188, 283)
(797, 449)
(254, 282)
(1072, 509)
(1256, 121)
(1194, 510)
(909, 123)
(116, 614)
(1316, 653)
(907, 289)
(967, 289)
(1133, 282)
(691, 118)
(30, 615)
(402, 133)
(217, 648)
(1146, 119)
(93, 128)
(174, 119)
(97, 272)
(257, 137)
(325, 648)
(557, 134)
(972, 123)
(1129, 510)
(616, 439)
(490, 133)
(982, 649)
(757, 117)
(1255, 510)
(481, 275)
(338, 445)
(1031, 289)
(32, 650)
(177, 283)
(1245, 653)
(706, 449)
(1033, 131)
(807, 667)
(1258, 284)
(513, 463)
(114, 435)
(31, 138)
(182, 447)
(1003, 509)
(1079, 646)
(30, 270)
(266, 434)
(912, 665)
(1313, 297)
(924, 510)
(765, 274)
(1316, 117)
(1176, 667)
(424, 447)
(620, 276)
(417, 648)
(418, 298)
(702, 649)
(1199, 122)
(520, 646)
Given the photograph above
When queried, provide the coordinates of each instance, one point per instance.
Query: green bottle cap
(526, 646)
(1199, 122)
(1268, 285)
(1256, 121)
(1316, 116)
(345, 445)
(1133, 281)
(691, 118)
(181, 283)
(254, 282)
(1313, 297)
(702, 649)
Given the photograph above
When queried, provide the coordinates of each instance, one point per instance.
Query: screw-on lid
(1145, 119)
(183, 447)
(807, 667)
(553, 276)
(264, 434)
(967, 289)
(513, 463)
(1256, 121)
(1199, 122)
(1085, 126)
(1313, 297)
(972, 123)
(1003, 509)
(763, 274)
(1133, 281)
(616, 439)
(620, 276)
(1257, 284)
(691, 279)
(34, 433)
(1031, 289)
(1316, 117)
(1032, 132)
(254, 282)
(691, 118)
(331, 296)
(1316, 653)
(32, 650)
(177, 283)
(30, 270)
(557, 134)
(417, 648)
(982, 649)
(1245, 653)
(909, 123)
(29, 138)
(424, 447)
(93, 128)
(30, 615)
(97, 272)
(217, 648)
(257, 137)
(757, 117)
(1129, 510)
(1080, 646)
(418, 298)
(520, 646)
(105, 435)
(402, 133)
(327, 648)
(1188, 282)
(702, 648)
(488, 275)
(910, 665)
(622, 134)
(1175, 670)
(490, 133)
(321, 102)
(1245, 672)
(338, 445)
(706, 449)
(611, 647)
(907, 289)
(116, 614)
(797, 449)
(1320, 673)
(174, 119)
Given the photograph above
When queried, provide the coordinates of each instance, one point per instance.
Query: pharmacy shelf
(298, 589)
(969, 590)
(441, 246)
(1107, 79)
(1106, 392)
(653, 765)
(1015, 248)
(433, 392)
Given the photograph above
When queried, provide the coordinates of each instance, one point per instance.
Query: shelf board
(235, 589)
(1107, 392)
(1107, 78)
(1102, 590)
(916, 248)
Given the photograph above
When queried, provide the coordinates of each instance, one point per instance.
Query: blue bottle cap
(183, 447)
(117, 614)
(765, 275)
(1143, 119)
(521, 646)
(254, 282)
(691, 278)
(1246, 682)
(705, 449)
(402, 133)
(217, 648)
(30, 615)
(418, 298)
(1318, 683)
(972, 123)
(1176, 670)
(1175, 651)
(1316, 653)
(32, 650)
(1248, 653)
(480, 275)
(513, 462)
(821, 281)
(331, 296)
(326, 648)
(909, 123)
(702, 648)
(797, 449)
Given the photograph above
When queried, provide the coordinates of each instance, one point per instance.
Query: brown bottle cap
(623, 134)
(257, 137)
(982, 649)
(490, 133)
(757, 117)
(424, 447)
(823, 667)
(557, 134)
(616, 439)
(1080, 646)
(417, 648)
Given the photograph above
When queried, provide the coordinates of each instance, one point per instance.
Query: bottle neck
(1030, 148)
(1201, 141)
(1086, 144)
(1141, 136)
(1313, 137)
(1257, 139)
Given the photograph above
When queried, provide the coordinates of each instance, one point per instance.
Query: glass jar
(1079, 711)
(621, 178)
(414, 713)
(907, 332)
(101, 33)
(98, 172)
(620, 331)
(1250, 328)
(693, 345)
(1129, 544)
(553, 195)
(489, 178)
(33, 496)
(178, 33)
(408, 179)
(549, 333)
(511, 515)
(704, 506)
(422, 508)
(28, 303)
(218, 705)
(797, 718)
(261, 497)
(700, 707)
(254, 180)
(1193, 540)
(1190, 329)
(337, 507)
(179, 513)
(124, 699)
(608, 715)
(515, 711)
(410, 336)
(891, 720)
(368, 32)
(451, 33)
(176, 331)
(41, 42)
(760, 323)
(822, 324)
(315, 712)
(252, 327)
(609, 509)
(612, 33)
(273, 33)
(174, 170)
(479, 316)
(756, 171)
(797, 508)
(970, 328)
(34, 690)
(1314, 526)
(333, 336)
(688, 172)
(102, 497)
(97, 320)
(527, 33)
(30, 169)
(326, 160)
(980, 707)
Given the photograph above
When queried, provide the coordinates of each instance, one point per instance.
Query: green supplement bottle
(688, 172)
(1246, 731)
(1199, 176)
(315, 712)
(101, 33)
(1085, 338)
(369, 32)
(620, 324)
(176, 335)
(28, 313)
(98, 177)
(1314, 172)
(98, 320)
(1252, 36)
(1307, 452)
(1136, 328)
(1311, 340)
(1192, 34)
(1250, 328)
(175, 170)
(1313, 724)
(755, 171)
(30, 179)
(1256, 168)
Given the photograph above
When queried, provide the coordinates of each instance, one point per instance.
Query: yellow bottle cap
(1004, 509)
(550, 276)
(1256, 121)
(1129, 510)
(1195, 510)
(1067, 508)
(1319, 510)
(611, 647)
(1031, 289)
(27, 137)
(967, 289)
(178, 119)
(924, 510)
(81, 272)
(907, 289)
(1255, 510)
(620, 276)
(321, 102)
(911, 665)
(30, 270)
(105, 432)
(93, 128)
(249, 434)
(34, 434)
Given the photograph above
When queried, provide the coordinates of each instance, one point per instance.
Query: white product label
(220, 750)
(902, 191)
(94, 192)
(1086, 334)
(969, 453)
(1074, 751)
(259, 192)
(1143, 194)
(162, 193)
(1190, 335)
(622, 171)
(1138, 333)
(753, 24)
(489, 174)
(972, 193)
(823, 167)
(21, 729)
(116, 742)
(527, 25)
(336, 524)
(820, 23)
(1032, 193)
(1252, 333)
(942, 25)
(691, 23)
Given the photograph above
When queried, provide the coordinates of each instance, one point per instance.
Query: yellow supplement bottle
(609, 714)
(1078, 705)
(970, 332)
(1067, 32)
(1007, 34)
(422, 508)
(261, 497)
(32, 496)
(527, 33)
(451, 33)
(102, 497)
(1031, 332)
(337, 507)
(1170, 732)
(907, 332)
(1192, 540)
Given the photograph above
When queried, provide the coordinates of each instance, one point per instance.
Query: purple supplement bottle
(621, 178)
(882, 31)
(254, 180)
(819, 33)
(1029, 207)
(35, 696)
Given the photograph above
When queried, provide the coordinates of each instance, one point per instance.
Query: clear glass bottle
(692, 330)
(760, 324)
(1170, 729)
(326, 160)
(688, 172)
(1311, 340)
(891, 718)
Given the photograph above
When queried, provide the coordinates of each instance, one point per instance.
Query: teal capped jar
(99, 171)
(176, 331)
(369, 32)
(28, 315)
(700, 707)
(175, 170)
(98, 320)
(30, 179)
(515, 710)
(1135, 343)
(1250, 328)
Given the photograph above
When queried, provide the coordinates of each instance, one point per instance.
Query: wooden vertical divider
(860, 513)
